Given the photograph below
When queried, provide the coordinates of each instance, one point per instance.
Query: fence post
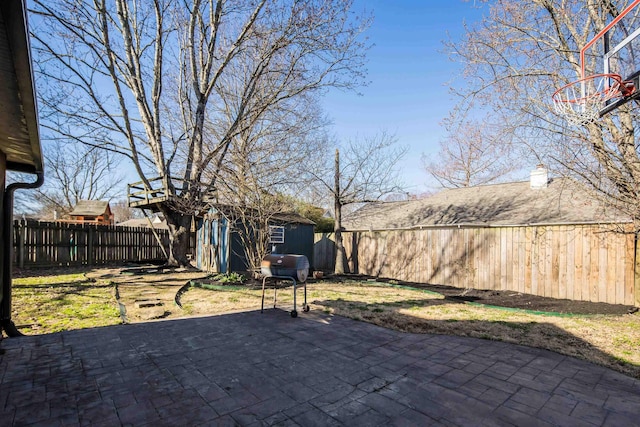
(22, 226)
(90, 245)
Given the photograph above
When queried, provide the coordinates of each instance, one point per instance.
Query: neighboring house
(545, 201)
(156, 222)
(546, 237)
(220, 248)
(92, 212)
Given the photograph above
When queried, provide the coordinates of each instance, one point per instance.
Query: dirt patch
(508, 299)
(147, 292)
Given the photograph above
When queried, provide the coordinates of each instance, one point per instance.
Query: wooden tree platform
(139, 195)
(152, 196)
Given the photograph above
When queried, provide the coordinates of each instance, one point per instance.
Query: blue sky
(409, 72)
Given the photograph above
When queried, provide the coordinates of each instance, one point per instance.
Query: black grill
(286, 267)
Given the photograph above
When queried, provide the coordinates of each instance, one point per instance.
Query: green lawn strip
(46, 304)
(534, 312)
(214, 287)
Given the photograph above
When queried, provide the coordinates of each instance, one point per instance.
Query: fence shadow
(396, 315)
(582, 262)
(64, 289)
(51, 271)
(403, 258)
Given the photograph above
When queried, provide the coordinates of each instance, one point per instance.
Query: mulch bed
(511, 299)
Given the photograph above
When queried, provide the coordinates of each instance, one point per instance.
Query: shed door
(222, 238)
(213, 242)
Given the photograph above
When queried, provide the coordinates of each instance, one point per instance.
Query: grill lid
(296, 266)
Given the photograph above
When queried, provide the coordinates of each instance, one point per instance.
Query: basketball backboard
(621, 51)
(610, 71)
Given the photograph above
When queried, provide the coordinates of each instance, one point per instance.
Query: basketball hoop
(581, 102)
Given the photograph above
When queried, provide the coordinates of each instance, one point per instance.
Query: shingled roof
(563, 201)
(89, 208)
(282, 217)
(157, 223)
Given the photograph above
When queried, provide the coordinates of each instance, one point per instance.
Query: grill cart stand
(294, 312)
(286, 267)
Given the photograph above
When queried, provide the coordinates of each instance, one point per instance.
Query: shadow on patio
(243, 368)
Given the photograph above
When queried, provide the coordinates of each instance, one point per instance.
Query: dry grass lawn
(53, 303)
(57, 302)
(611, 341)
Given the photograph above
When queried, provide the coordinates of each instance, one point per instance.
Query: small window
(276, 234)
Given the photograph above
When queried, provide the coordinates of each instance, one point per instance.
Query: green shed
(221, 237)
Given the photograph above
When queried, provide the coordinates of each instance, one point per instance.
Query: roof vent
(539, 177)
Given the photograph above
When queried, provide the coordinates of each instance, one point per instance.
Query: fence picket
(48, 244)
(580, 262)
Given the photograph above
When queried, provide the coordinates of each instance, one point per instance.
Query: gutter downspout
(7, 255)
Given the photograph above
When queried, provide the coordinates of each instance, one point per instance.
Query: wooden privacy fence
(579, 262)
(46, 244)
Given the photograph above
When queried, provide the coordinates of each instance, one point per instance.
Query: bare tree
(265, 166)
(365, 171)
(76, 172)
(517, 56)
(147, 77)
(122, 212)
(474, 153)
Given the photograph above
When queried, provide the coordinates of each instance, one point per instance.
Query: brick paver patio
(269, 369)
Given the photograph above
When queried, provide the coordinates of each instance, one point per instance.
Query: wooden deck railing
(140, 195)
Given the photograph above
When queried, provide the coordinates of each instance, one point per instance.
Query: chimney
(539, 177)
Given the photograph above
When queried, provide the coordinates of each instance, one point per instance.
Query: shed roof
(562, 201)
(293, 218)
(90, 208)
(19, 136)
(284, 217)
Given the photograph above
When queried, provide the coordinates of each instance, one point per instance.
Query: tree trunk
(337, 208)
(179, 231)
(340, 256)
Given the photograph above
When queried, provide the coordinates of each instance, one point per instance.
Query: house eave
(19, 134)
